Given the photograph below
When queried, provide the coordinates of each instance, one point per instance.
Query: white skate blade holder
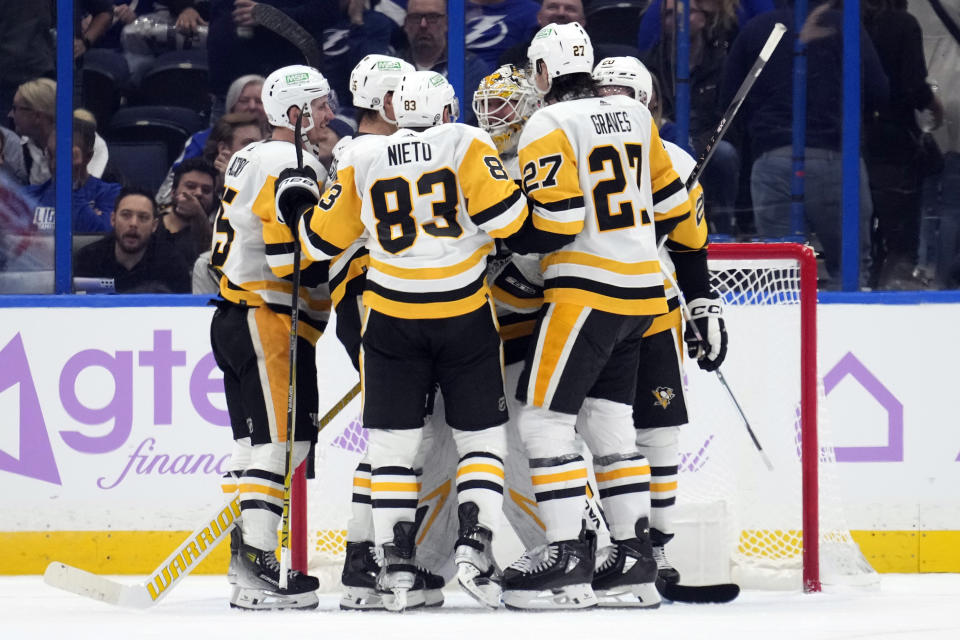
(638, 596)
(572, 596)
(484, 590)
(263, 600)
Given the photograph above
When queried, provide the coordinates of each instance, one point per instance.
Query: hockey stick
(285, 550)
(275, 20)
(723, 381)
(164, 578)
(178, 564)
(738, 99)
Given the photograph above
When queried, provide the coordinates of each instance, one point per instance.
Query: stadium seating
(105, 75)
(141, 164)
(168, 125)
(177, 79)
(615, 21)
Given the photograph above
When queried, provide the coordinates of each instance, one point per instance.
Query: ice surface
(904, 607)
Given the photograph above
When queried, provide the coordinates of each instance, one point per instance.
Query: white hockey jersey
(431, 202)
(596, 167)
(252, 250)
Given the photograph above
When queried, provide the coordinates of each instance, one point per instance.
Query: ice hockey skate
(398, 574)
(556, 575)
(361, 568)
(477, 571)
(666, 573)
(258, 583)
(627, 575)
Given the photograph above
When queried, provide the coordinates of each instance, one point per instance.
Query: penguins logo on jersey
(662, 396)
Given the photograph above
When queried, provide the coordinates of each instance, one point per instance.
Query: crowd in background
(143, 209)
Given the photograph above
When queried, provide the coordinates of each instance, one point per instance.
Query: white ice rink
(904, 607)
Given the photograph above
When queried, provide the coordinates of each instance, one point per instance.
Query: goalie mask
(373, 78)
(294, 86)
(421, 97)
(564, 48)
(624, 71)
(503, 102)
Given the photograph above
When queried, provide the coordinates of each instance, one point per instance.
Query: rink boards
(115, 430)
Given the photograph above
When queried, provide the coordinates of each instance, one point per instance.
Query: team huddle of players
(504, 293)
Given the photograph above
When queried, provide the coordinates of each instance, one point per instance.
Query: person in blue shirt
(93, 199)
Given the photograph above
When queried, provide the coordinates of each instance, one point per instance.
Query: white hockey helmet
(503, 102)
(565, 48)
(374, 77)
(421, 97)
(294, 86)
(625, 71)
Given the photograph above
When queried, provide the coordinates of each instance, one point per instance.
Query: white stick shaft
(163, 579)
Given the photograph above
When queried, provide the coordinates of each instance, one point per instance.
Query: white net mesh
(760, 511)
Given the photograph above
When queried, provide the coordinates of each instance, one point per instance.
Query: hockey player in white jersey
(435, 196)
(660, 409)
(372, 83)
(250, 336)
(599, 179)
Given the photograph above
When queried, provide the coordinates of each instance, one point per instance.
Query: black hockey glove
(709, 348)
(296, 191)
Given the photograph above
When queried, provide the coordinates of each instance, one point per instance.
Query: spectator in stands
(33, 112)
(564, 12)
(11, 156)
(357, 33)
(236, 46)
(897, 158)
(426, 29)
(767, 114)
(26, 46)
(232, 132)
(93, 199)
(101, 154)
(131, 255)
(91, 19)
(493, 26)
(648, 35)
(242, 97)
(186, 225)
(710, 35)
(139, 49)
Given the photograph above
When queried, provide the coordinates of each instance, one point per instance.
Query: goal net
(735, 519)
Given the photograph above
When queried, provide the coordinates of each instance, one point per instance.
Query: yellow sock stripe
(259, 488)
(625, 472)
(412, 487)
(480, 468)
(361, 482)
(564, 476)
(663, 486)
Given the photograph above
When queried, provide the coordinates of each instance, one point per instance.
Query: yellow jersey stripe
(433, 273)
(588, 260)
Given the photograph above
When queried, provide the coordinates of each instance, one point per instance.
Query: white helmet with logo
(294, 86)
(421, 97)
(625, 71)
(503, 102)
(374, 77)
(565, 48)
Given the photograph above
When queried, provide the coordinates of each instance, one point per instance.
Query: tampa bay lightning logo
(335, 42)
(484, 32)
